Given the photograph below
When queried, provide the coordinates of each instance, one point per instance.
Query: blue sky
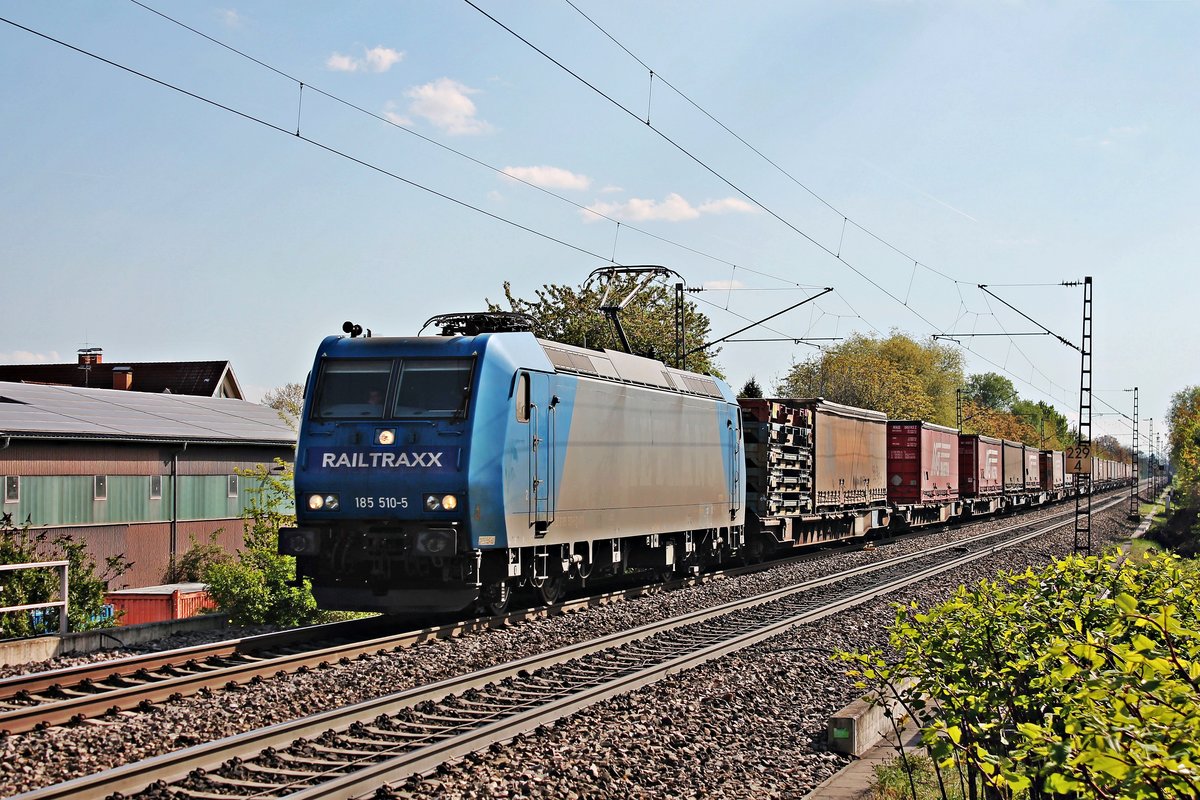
(997, 143)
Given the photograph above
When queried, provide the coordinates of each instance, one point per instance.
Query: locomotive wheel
(551, 589)
(495, 598)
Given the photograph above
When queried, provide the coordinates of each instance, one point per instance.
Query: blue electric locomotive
(442, 472)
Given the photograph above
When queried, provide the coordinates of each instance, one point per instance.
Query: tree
(751, 389)
(990, 390)
(571, 315)
(899, 376)
(288, 400)
(1000, 424)
(1184, 422)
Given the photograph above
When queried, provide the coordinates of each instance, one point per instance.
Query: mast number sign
(1079, 460)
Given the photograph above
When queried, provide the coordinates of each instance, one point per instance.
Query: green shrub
(1080, 680)
(191, 566)
(19, 544)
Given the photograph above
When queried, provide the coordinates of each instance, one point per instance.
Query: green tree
(990, 390)
(1184, 422)
(751, 389)
(897, 375)
(87, 583)
(571, 315)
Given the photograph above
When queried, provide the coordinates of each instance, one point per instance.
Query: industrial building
(133, 473)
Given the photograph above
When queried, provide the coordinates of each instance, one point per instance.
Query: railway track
(29, 702)
(349, 752)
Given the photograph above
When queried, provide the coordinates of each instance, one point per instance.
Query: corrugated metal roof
(68, 412)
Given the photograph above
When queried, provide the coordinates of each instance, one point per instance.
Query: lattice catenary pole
(1083, 479)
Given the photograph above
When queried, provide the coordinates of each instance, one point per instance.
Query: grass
(892, 780)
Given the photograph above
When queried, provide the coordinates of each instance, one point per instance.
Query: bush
(86, 588)
(257, 587)
(1080, 680)
(191, 566)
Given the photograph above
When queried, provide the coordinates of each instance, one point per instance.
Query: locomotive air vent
(472, 323)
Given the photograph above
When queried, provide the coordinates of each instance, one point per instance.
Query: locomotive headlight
(385, 436)
(442, 502)
(327, 502)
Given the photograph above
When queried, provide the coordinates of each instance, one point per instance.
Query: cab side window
(523, 397)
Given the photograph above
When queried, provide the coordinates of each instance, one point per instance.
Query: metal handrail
(63, 585)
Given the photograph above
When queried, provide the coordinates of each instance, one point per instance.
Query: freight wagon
(815, 471)
(981, 480)
(923, 473)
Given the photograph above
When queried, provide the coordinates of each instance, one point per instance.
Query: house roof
(64, 412)
(197, 378)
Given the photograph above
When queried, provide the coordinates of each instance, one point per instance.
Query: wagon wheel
(495, 598)
(551, 589)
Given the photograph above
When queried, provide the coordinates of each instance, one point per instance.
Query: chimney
(122, 378)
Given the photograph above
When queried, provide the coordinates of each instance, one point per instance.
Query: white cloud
(1114, 136)
(611, 190)
(377, 59)
(549, 177)
(674, 208)
(393, 116)
(724, 285)
(230, 18)
(446, 104)
(728, 205)
(26, 357)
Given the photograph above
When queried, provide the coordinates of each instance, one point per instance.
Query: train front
(381, 475)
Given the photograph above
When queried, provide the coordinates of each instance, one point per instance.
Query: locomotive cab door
(540, 405)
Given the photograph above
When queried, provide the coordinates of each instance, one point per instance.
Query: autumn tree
(572, 315)
(897, 375)
(1184, 422)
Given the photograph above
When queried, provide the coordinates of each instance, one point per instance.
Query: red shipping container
(1013, 465)
(922, 463)
(160, 603)
(1033, 468)
(979, 465)
(1053, 476)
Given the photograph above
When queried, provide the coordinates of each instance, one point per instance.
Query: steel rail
(201, 759)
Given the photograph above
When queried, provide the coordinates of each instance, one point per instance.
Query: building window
(233, 487)
(156, 487)
(101, 484)
(12, 489)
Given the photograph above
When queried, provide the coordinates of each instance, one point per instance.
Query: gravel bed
(781, 701)
(749, 725)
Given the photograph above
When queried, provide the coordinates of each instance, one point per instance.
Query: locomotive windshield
(422, 387)
(352, 389)
(433, 387)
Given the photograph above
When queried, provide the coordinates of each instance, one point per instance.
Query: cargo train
(441, 473)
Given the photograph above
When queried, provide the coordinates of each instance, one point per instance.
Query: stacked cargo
(778, 441)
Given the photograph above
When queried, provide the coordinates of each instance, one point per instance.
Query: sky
(901, 153)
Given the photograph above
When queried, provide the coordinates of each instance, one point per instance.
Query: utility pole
(1083, 478)
(1150, 462)
(1133, 455)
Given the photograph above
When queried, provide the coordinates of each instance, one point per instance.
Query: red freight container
(1052, 466)
(1033, 471)
(160, 603)
(922, 466)
(979, 465)
(1013, 464)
